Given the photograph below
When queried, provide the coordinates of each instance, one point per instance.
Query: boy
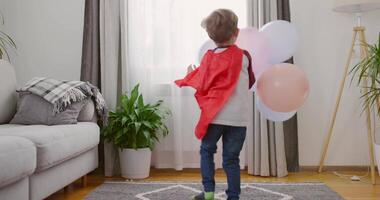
(221, 82)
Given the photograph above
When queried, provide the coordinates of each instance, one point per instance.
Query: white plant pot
(377, 155)
(135, 164)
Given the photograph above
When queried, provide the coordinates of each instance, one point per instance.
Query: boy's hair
(220, 25)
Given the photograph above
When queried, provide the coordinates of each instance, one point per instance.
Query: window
(164, 36)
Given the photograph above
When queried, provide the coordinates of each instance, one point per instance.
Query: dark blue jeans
(233, 140)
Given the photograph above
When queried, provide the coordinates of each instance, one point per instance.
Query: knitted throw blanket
(63, 93)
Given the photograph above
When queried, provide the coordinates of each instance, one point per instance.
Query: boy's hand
(190, 68)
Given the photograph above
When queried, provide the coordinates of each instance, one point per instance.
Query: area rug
(184, 191)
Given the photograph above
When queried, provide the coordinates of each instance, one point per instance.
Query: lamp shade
(356, 6)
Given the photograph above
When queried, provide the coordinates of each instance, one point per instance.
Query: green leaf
(5, 37)
(147, 124)
(140, 101)
(137, 126)
(1, 18)
(124, 120)
(6, 42)
(146, 134)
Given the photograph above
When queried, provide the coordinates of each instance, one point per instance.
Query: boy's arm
(191, 79)
(251, 76)
(190, 68)
(194, 76)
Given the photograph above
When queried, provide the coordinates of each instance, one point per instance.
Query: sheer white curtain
(163, 39)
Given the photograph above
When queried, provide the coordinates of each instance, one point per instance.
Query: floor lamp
(356, 7)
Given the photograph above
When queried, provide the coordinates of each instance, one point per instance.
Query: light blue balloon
(273, 115)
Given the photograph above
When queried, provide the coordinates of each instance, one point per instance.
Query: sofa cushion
(8, 97)
(56, 144)
(17, 159)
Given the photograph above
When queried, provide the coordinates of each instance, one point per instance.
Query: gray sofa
(38, 160)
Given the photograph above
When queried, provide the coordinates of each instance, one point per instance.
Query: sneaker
(204, 196)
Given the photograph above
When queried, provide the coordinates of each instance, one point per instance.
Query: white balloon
(209, 44)
(272, 115)
(282, 39)
(255, 43)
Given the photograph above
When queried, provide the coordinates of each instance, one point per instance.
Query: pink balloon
(283, 87)
(256, 44)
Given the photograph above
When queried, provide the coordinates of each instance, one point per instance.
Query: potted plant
(368, 72)
(6, 41)
(134, 127)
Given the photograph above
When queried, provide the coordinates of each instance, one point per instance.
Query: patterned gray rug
(184, 191)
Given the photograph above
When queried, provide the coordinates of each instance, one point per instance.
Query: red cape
(214, 81)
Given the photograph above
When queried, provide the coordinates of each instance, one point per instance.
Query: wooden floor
(348, 189)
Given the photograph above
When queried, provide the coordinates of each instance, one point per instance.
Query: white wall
(325, 40)
(49, 37)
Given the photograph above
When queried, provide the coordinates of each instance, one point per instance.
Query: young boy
(221, 82)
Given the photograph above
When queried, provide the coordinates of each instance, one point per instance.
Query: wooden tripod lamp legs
(338, 98)
(363, 54)
(363, 51)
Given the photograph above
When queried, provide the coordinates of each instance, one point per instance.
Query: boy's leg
(208, 148)
(233, 140)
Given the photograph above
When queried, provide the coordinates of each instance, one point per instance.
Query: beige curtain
(265, 140)
(113, 52)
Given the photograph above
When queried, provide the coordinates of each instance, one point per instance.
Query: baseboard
(335, 168)
(302, 169)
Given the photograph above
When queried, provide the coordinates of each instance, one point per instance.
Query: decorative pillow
(33, 110)
(88, 112)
